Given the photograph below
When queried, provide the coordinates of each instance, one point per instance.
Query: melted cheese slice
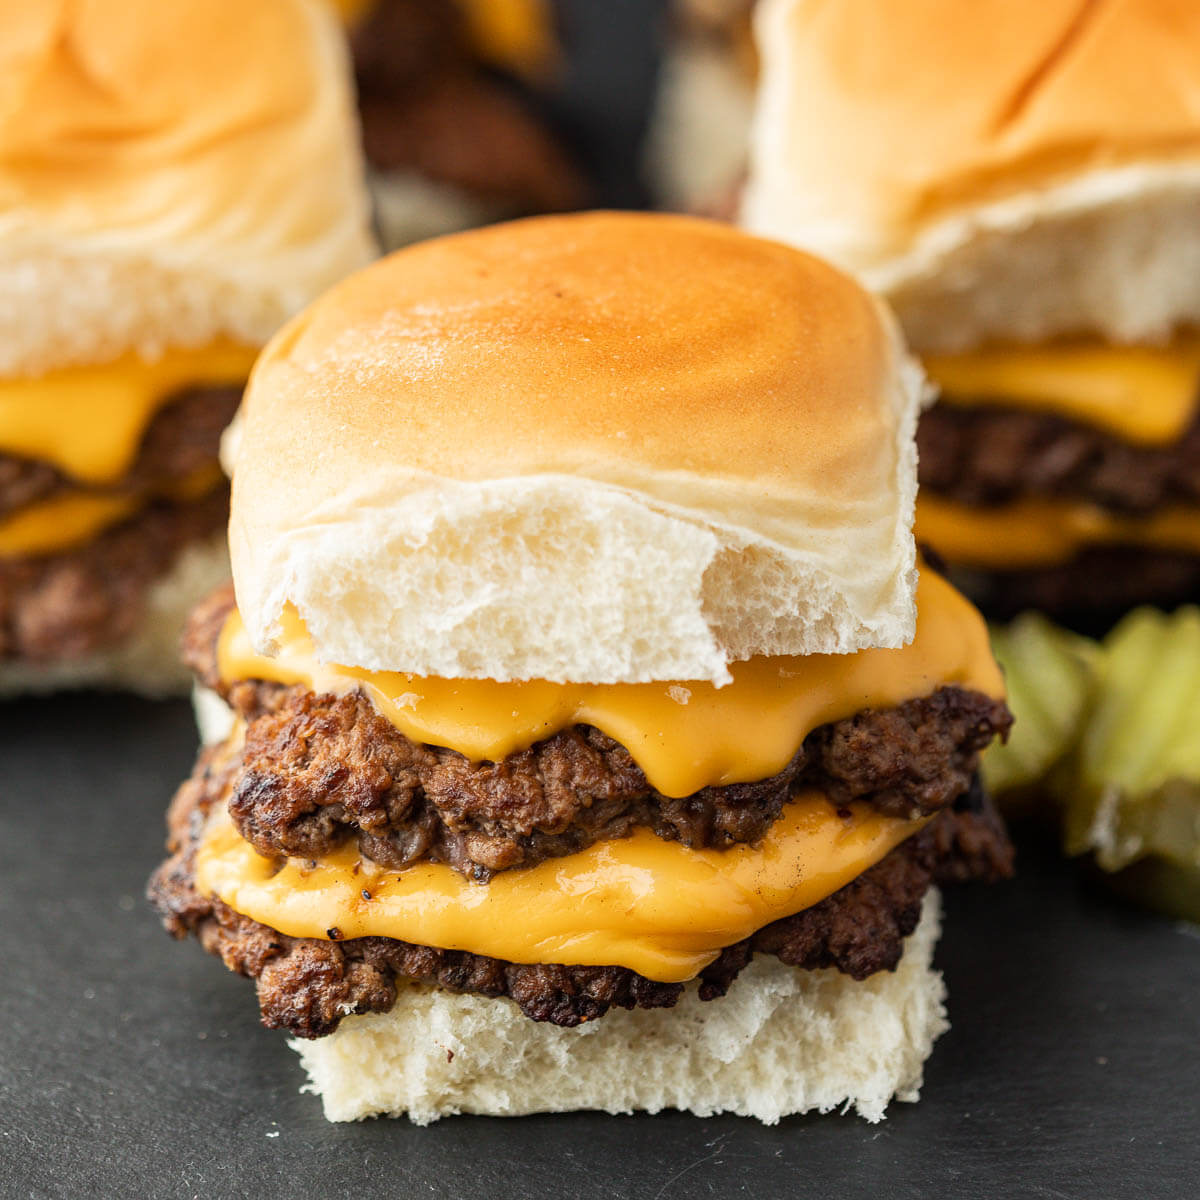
(651, 905)
(74, 518)
(684, 737)
(1142, 394)
(1038, 533)
(89, 421)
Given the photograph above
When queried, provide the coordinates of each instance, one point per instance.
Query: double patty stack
(157, 227)
(579, 664)
(1021, 180)
(451, 129)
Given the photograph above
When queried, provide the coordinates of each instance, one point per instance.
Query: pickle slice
(1051, 677)
(1134, 787)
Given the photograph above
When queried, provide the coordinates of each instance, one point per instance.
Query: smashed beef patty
(66, 605)
(307, 985)
(994, 455)
(318, 769)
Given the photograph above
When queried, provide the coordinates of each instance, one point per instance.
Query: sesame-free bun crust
(1004, 169)
(599, 448)
(782, 1041)
(170, 173)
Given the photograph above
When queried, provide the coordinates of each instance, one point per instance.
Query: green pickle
(1131, 794)
(1051, 676)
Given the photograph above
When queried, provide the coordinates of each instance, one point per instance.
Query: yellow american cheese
(684, 736)
(70, 519)
(640, 902)
(89, 421)
(1038, 533)
(1144, 394)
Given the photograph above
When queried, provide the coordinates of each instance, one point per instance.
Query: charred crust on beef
(307, 986)
(318, 769)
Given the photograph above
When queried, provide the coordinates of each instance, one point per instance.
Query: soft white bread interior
(1005, 169)
(782, 1041)
(170, 173)
(596, 448)
(149, 661)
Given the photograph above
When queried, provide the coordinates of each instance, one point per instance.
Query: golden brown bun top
(894, 112)
(557, 343)
(614, 393)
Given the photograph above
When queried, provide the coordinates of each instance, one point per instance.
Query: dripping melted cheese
(683, 736)
(89, 422)
(640, 902)
(1144, 394)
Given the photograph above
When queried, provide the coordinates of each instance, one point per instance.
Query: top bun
(1001, 169)
(170, 173)
(597, 448)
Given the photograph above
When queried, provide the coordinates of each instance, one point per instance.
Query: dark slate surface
(134, 1066)
(131, 1065)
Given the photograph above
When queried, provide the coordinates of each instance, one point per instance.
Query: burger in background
(699, 131)
(590, 738)
(155, 230)
(1022, 182)
(450, 113)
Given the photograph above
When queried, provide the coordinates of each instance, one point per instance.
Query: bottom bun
(148, 662)
(782, 1041)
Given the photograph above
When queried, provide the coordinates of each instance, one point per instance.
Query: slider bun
(148, 662)
(170, 173)
(601, 448)
(782, 1041)
(1001, 170)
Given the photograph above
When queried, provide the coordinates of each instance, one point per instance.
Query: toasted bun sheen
(1004, 169)
(782, 1041)
(170, 173)
(148, 662)
(597, 448)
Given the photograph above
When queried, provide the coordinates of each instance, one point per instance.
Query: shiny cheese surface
(73, 518)
(1036, 533)
(1143, 394)
(640, 902)
(89, 421)
(683, 736)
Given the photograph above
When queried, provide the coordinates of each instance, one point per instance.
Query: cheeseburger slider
(450, 116)
(1021, 178)
(175, 181)
(595, 739)
(700, 128)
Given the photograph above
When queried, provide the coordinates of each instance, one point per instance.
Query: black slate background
(134, 1066)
